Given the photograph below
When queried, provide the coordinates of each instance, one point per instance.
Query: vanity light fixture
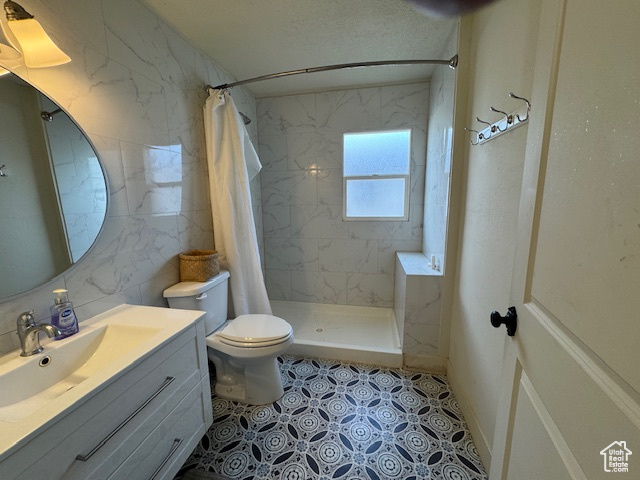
(37, 47)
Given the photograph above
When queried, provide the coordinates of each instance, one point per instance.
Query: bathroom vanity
(132, 403)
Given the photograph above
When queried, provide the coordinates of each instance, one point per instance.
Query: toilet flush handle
(202, 296)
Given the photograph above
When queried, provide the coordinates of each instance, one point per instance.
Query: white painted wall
(503, 39)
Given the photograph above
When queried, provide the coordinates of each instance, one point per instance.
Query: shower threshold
(342, 332)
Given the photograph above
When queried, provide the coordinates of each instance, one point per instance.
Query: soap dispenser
(62, 315)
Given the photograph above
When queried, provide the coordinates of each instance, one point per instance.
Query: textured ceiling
(249, 38)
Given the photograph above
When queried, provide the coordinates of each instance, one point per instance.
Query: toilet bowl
(244, 350)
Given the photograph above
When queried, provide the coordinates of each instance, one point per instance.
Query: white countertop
(164, 323)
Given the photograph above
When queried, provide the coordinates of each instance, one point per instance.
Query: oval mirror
(53, 190)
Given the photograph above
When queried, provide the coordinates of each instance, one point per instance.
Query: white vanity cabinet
(142, 425)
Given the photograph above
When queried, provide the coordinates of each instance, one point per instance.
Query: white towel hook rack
(508, 122)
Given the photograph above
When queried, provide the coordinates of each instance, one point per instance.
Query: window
(376, 175)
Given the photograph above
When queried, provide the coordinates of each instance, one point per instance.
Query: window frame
(406, 177)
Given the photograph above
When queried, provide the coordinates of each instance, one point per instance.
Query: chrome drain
(44, 361)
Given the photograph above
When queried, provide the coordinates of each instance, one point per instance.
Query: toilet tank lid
(189, 289)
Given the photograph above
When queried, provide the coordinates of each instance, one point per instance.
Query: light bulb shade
(37, 48)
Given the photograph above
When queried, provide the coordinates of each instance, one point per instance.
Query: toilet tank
(210, 296)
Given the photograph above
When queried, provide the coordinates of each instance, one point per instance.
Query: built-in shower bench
(417, 307)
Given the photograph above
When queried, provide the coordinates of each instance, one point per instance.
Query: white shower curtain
(230, 156)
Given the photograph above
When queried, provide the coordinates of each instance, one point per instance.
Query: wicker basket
(198, 265)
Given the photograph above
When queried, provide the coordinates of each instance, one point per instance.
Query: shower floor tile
(346, 421)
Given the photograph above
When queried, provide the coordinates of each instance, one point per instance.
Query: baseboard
(479, 438)
(425, 364)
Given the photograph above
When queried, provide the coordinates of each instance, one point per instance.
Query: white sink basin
(36, 390)
(29, 383)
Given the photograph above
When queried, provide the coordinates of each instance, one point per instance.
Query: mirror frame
(106, 184)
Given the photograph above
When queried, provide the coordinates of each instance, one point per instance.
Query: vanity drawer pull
(84, 458)
(176, 444)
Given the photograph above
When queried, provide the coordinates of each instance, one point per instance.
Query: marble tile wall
(137, 88)
(439, 152)
(311, 254)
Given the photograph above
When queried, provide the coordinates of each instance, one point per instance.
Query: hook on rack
(512, 95)
(507, 118)
(2, 174)
(492, 129)
(477, 136)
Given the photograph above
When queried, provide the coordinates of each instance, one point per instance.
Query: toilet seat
(267, 343)
(256, 330)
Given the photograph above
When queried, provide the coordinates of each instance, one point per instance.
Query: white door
(571, 375)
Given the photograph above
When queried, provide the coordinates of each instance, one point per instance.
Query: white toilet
(243, 350)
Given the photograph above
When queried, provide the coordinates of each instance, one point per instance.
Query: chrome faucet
(29, 330)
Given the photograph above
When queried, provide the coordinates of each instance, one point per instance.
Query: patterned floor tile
(342, 421)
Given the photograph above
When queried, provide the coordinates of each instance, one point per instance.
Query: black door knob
(510, 320)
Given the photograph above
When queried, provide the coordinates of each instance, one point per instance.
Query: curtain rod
(452, 62)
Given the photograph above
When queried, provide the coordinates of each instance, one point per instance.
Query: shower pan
(342, 332)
